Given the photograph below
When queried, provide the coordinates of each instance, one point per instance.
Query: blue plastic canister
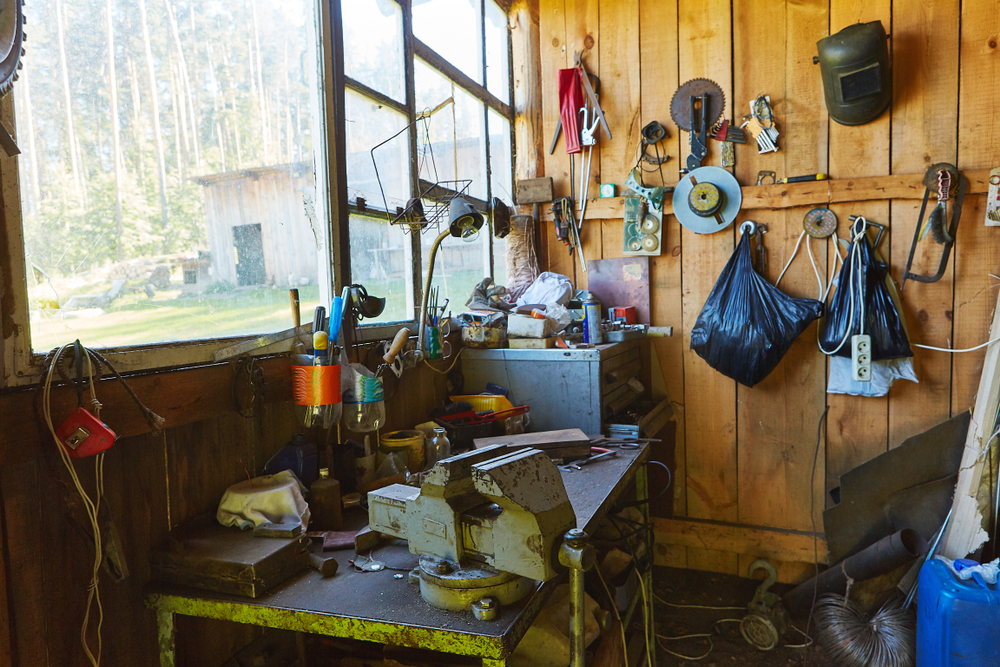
(957, 620)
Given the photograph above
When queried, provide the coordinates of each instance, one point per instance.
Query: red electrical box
(83, 434)
(624, 313)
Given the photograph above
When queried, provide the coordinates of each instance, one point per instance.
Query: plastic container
(324, 503)
(483, 402)
(364, 409)
(956, 620)
(412, 442)
(300, 456)
(316, 389)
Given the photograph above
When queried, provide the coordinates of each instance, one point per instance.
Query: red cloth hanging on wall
(570, 103)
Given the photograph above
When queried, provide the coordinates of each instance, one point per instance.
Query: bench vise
(487, 523)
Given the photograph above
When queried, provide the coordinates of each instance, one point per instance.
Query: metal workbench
(377, 607)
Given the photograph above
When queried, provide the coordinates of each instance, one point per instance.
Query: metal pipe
(578, 555)
(883, 556)
(422, 333)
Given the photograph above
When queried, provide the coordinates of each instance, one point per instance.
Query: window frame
(414, 48)
(20, 365)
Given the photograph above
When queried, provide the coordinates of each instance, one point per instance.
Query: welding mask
(854, 64)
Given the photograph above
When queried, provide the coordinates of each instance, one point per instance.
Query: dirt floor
(726, 646)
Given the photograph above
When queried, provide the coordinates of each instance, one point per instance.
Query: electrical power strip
(861, 358)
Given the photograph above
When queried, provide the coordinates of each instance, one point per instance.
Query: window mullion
(415, 293)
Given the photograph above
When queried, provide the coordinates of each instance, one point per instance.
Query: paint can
(592, 334)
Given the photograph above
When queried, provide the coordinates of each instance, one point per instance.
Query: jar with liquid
(439, 446)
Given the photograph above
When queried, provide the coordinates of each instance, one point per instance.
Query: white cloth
(274, 498)
(549, 288)
(884, 373)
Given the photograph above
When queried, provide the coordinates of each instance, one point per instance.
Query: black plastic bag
(747, 324)
(882, 321)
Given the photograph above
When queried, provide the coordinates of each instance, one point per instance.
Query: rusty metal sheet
(623, 281)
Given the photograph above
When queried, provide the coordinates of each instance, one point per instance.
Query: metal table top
(375, 606)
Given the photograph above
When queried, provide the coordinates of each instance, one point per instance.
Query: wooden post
(524, 36)
(965, 532)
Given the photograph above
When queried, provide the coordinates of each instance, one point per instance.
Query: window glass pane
(451, 143)
(381, 261)
(369, 124)
(497, 62)
(373, 45)
(500, 178)
(458, 268)
(454, 30)
(168, 197)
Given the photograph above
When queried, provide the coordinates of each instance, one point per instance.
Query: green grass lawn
(170, 315)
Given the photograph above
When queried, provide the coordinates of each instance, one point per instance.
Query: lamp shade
(465, 221)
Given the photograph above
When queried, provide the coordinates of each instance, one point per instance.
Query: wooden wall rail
(816, 193)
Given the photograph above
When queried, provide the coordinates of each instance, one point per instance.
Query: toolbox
(203, 554)
(956, 620)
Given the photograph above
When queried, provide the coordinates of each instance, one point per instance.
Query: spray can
(592, 334)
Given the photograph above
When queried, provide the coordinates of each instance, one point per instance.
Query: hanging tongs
(958, 185)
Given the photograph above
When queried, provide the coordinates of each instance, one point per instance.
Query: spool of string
(850, 638)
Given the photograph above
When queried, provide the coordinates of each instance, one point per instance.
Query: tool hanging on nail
(946, 179)
(696, 107)
(760, 123)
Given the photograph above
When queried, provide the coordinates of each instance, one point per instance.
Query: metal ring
(748, 227)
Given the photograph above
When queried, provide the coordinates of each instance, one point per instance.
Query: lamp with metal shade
(464, 223)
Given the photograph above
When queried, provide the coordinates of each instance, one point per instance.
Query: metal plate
(820, 223)
(723, 180)
(622, 281)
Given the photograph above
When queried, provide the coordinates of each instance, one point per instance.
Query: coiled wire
(851, 639)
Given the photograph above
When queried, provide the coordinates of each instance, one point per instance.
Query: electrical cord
(448, 370)
(812, 516)
(92, 506)
(614, 610)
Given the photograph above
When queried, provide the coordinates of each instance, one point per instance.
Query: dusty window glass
(167, 175)
(497, 62)
(368, 125)
(453, 28)
(373, 45)
(452, 145)
(501, 176)
(381, 260)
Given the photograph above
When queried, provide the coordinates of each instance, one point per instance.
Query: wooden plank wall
(744, 456)
(152, 482)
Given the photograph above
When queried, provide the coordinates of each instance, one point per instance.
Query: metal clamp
(761, 175)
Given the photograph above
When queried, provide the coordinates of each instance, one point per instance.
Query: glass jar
(439, 447)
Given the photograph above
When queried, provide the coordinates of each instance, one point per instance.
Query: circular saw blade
(680, 103)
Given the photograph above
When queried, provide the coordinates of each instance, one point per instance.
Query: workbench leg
(300, 644)
(642, 494)
(166, 638)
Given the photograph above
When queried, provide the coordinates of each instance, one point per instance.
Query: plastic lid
(324, 473)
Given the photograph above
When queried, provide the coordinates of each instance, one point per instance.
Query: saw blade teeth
(681, 116)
